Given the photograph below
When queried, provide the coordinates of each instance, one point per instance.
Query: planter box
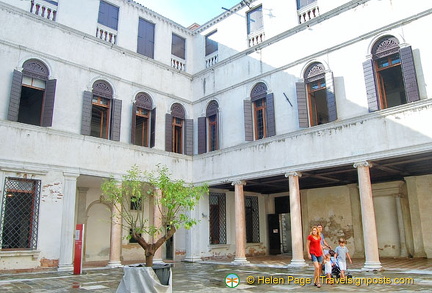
(139, 279)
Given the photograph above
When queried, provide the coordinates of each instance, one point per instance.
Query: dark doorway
(274, 234)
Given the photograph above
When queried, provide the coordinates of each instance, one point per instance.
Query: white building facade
(294, 112)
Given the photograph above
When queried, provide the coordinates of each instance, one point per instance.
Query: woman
(315, 252)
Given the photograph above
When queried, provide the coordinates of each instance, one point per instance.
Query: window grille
(20, 214)
(217, 203)
(252, 219)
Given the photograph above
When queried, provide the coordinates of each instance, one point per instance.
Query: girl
(315, 252)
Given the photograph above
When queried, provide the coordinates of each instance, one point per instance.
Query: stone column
(368, 217)
(240, 219)
(68, 222)
(296, 221)
(401, 226)
(157, 222)
(116, 236)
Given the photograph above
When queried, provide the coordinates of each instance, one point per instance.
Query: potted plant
(172, 200)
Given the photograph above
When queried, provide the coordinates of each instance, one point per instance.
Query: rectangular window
(255, 20)
(100, 117)
(302, 3)
(213, 133)
(260, 119)
(252, 219)
(177, 126)
(142, 134)
(108, 15)
(211, 45)
(146, 36)
(178, 46)
(217, 204)
(20, 214)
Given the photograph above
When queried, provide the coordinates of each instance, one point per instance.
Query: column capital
(362, 164)
(293, 173)
(238, 182)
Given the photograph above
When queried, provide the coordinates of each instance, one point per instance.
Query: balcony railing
(178, 63)
(308, 12)
(256, 37)
(44, 8)
(106, 34)
(211, 59)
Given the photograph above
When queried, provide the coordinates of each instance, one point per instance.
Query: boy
(341, 253)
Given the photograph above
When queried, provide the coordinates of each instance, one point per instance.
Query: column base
(65, 268)
(372, 266)
(297, 263)
(240, 261)
(114, 264)
(192, 259)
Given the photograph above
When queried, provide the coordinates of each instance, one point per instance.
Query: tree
(172, 199)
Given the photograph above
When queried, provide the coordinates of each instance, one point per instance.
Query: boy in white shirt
(341, 253)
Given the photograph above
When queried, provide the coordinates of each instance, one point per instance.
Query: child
(341, 253)
(328, 267)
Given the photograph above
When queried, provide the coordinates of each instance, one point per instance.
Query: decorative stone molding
(362, 164)
(293, 173)
(238, 182)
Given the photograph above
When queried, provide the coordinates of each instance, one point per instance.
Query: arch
(178, 111)
(98, 231)
(398, 38)
(143, 100)
(385, 46)
(314, 71)
(259, 91)
(35, 69)
(212, 108)
(102, 88)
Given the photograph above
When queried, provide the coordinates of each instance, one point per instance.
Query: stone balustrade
(106, 34)
(256, 38)
(178, 63)
(44, 8)
(308, 12)
(211, 59)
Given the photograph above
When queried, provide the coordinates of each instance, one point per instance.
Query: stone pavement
(266, 274)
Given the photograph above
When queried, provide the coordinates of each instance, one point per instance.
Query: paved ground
(265, 275)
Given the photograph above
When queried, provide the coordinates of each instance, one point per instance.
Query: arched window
(390, 75)
(32, 95)
(315, 96)
(101, 112)
(143, 121)
(208, 129)
(259, 114)
(178, 131)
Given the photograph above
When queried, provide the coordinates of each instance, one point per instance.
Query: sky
(186, 12)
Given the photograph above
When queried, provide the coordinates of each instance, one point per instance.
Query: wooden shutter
(189, 136)
(409, 74)
(153, 127)
(48, 108)
(133, 123)
(116, 119)
(168, 133)
(270, 109)
(302, 105)
(15, 96)
(146, 38)
(247, 105)
(371, 90)
(331, 99)
(202, 141)
(86, 113)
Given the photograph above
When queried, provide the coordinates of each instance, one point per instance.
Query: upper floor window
(101, 115)
(178, 46)
(208, 129)
(255, 20)
(32, 95)
(20, 214)
(108, 15)
(178, 131)
(143, 121)
(302, 3)
(146, 36)
(211, 45)
(315, 96)
(390, 75)
(259, 114)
